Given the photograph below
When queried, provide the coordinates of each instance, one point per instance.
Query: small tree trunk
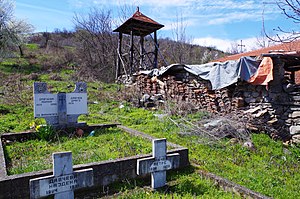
(21, 51)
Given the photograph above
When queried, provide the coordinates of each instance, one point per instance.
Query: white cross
(64, 181)
(158, 164)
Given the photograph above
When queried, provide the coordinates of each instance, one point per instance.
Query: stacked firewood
(190, 89)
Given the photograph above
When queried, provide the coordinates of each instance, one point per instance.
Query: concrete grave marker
(62, 109)
(158, 164)
(64, 181)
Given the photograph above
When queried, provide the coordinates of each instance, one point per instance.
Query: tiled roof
(141, 17)
(291, 46)
(139, 24)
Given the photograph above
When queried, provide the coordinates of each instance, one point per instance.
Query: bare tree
(180, 51)
(265, 40)
(291, 9)
(98, 44)
(234, 49)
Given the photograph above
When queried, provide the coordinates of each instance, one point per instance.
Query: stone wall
(104, 172)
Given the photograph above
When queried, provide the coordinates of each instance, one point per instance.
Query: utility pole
(241, 45)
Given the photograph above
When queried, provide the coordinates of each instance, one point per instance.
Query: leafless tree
(234, 49)
(291, 9)
(179, 50)
(98, 44)
(263, 40)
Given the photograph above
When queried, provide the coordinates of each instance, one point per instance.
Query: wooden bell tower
(137, 58)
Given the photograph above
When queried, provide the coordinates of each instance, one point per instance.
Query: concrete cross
(64, 181)
(62, 109)
(158, 164)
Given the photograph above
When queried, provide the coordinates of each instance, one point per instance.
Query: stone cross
(64, 181)
(62, 109)
(158, 164)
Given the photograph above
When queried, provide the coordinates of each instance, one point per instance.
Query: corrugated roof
(291, 46)
(140, 24)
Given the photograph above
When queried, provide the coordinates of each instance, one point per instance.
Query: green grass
(271, 169)
(15, 118)
(112, 143)
(18, 65)
(184, 184)
(32, 47)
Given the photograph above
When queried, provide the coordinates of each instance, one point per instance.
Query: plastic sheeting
(264, 73)
(223, 74)
(220, 74)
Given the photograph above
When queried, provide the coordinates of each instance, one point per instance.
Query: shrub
(45, 132)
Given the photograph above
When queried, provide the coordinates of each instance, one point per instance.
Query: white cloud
(226, 44)
(211, 12)
(233, 17)
(221, 44)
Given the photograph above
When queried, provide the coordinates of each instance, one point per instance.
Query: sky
(214, 23)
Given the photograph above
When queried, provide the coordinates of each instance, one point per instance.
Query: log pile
(190, 89)
(275, 110)
(272, 108)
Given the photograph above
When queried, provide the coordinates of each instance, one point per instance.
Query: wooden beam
(156, 49)
(118, 69)
(131, 52)
(141, 51)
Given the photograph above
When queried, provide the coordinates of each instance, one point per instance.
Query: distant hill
(95, 55)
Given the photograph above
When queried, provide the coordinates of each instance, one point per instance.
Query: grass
(18, 65)
(182, 184)
(272, 169)
(112, 143)
(15, 118)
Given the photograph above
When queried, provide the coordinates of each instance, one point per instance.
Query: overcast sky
(217, 23)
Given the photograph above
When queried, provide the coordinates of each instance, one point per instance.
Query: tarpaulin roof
(220, 74)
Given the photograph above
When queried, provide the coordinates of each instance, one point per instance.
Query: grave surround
(104, 172)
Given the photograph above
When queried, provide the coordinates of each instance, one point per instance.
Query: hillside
(94, 56)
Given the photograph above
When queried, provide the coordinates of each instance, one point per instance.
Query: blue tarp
(220, 74)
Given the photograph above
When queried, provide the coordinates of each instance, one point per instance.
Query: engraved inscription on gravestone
(76, 103)
(45, 105)
(158, 164)
(64, 181)
(62, 109)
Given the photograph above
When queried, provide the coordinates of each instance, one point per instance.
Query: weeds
(271, 168)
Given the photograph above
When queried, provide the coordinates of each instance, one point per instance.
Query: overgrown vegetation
(270, 168)
(181, 184)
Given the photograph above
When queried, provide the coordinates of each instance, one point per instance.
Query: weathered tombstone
(64, 181)
(62, 109)
(158, 164)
